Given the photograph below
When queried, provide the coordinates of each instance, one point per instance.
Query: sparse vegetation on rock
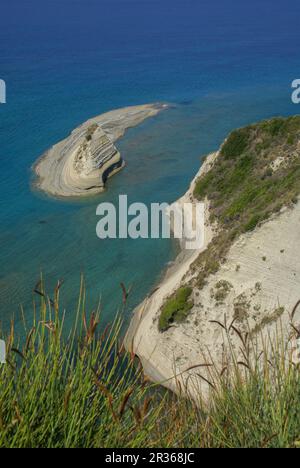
(242, 189)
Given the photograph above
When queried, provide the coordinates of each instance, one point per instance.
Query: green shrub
(236, 143)
(176, 308)
(251, 225)
(276, 126)
(203, 185)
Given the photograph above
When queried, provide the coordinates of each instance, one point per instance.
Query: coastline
(80, 164)
(136, 340)
(258, 298)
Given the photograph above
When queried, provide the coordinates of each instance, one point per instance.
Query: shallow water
(220, 65)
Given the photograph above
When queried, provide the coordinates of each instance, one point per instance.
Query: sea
(219, 64)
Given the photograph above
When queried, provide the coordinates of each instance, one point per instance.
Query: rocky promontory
(80, 165)
(239, 296)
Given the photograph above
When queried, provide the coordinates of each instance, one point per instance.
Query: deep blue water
(222, 64)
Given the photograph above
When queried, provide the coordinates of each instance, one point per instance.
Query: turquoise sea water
(221, 64)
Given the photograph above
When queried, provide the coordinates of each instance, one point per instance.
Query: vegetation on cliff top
(256, 174)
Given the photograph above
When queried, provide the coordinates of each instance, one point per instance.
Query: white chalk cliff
(256, 287)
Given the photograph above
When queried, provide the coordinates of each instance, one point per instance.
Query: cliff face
(93, 151)
(245, 283)
(80, 164)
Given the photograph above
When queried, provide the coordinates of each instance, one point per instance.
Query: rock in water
(81, 164)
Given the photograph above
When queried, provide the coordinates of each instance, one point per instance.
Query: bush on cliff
(176, 308)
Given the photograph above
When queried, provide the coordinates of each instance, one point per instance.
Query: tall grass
(82, 389)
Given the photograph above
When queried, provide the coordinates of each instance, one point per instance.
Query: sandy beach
(80, 164)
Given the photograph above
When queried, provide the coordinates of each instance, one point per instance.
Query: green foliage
(260, 413)
(276, 126)
(242, 187)
(176, 308)
(251, 225)
(236, 143)
(291, 139)
(203, 185)
(73, 392)
(86, 391)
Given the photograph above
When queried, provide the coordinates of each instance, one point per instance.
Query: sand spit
(80, 165)
(260, 281)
